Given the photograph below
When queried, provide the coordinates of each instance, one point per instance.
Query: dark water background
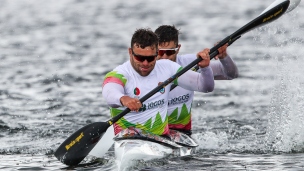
(54, 55)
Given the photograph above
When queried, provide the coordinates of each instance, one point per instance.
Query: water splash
(212, 141)
(286, 110)
(286, 113)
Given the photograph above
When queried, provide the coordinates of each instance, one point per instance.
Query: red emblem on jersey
(136, 91)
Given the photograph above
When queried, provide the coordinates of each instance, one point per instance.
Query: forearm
(112, 93)
(224, 69)
(230, 68)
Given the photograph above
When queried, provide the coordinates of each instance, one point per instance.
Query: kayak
(132, 144)
(138, 145)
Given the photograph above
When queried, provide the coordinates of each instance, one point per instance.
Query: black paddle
(75, 148)
(197, 67)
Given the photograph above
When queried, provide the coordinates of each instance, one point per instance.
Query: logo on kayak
(136, 91)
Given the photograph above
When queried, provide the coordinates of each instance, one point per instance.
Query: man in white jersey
(180, 99)
(130, 81)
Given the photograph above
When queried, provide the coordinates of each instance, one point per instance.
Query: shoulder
(119, 71)
(123, 67)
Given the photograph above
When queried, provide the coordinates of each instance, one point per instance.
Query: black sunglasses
(143, 58)
(168, 52)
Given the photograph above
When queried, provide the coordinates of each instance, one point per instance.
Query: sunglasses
(168, 52)
(143, 58)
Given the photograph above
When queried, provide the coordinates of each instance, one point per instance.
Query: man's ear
(179, 46)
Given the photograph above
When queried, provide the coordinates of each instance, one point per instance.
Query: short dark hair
(144, 38)
(167, 33)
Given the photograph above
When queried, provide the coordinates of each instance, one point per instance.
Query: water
(54, 55)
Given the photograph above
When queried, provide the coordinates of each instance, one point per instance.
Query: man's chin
(145, 73)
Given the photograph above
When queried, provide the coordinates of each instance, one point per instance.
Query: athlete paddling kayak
(128, 82)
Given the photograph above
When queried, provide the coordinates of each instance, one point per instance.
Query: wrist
(224, 55)
(203, 69)
(122, 100)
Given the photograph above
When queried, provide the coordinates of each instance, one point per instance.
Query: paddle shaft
(197, 67)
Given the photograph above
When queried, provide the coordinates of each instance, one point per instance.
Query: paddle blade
(275, 3)
(104, 144)
(273, 12)
(75, 148)
(293, 5)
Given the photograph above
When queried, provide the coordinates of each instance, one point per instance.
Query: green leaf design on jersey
(173, 116)
(148, 123)
(184, 118)
(116, 75)
(158, 127)
(175, 81)
(125, 123)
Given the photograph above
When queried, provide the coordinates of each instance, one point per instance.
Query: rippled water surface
(54, 55)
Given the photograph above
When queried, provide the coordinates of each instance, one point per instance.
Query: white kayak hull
(147, 150)
(130, 145)
(140, 150)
